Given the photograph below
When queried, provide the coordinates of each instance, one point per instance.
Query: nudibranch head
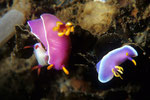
(54, 35)
(108, 66)
(40, 54)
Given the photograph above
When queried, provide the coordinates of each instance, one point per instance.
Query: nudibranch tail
(65, 70)
(131, 59)
(63, 29)
(117, 71)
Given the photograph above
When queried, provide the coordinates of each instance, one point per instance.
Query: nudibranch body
(108, 66)
(54, 35)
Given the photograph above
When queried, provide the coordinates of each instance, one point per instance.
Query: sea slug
(54, 35)
(108, 66)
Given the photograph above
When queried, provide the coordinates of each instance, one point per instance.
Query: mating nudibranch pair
(108, 66)
(54, 35)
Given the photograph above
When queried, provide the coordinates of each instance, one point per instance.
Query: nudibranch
(54, 35)
(108, 66)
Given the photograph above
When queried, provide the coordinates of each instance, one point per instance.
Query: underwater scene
(74, 49)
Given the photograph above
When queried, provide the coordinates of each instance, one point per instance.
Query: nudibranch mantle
(58, 47)
(38, 30)
(108, 66)
(54, 35)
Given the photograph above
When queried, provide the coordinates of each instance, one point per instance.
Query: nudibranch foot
(63, 29)
(117, 71)
(131, 59)
(65, 70)
(50, 66)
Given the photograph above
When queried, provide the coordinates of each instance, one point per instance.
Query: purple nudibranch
(54, 35)
(108, 66)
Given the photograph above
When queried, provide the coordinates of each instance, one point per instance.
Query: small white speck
(144, 53)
